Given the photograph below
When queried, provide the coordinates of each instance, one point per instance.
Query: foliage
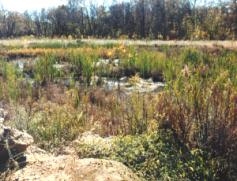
(45, 70)
(9, 84)
(155, 156)
(55, 125)
(200, 106)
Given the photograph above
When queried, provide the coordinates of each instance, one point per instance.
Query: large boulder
(45, 166)
(102, 170)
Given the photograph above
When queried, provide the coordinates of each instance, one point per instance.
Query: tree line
(154, 19)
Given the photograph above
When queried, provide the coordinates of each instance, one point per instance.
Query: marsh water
(126, 84)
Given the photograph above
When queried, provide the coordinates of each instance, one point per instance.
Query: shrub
(155, 156)
(203, 114)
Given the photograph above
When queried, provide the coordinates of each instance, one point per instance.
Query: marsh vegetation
(169, 111)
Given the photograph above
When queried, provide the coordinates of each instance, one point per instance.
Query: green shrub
(155, 156)
(191, 56)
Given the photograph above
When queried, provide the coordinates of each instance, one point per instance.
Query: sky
(32, 5)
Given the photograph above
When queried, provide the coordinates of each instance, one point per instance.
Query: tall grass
(44, 69)
(148, 64)
(200, 106)
(83, 65)
(9, 77)
(55, 125)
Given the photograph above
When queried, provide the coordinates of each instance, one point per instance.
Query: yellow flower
(109, 53)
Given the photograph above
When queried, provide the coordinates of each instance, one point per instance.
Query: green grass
(44, 70)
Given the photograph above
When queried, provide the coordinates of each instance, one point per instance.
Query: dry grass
(25, 42)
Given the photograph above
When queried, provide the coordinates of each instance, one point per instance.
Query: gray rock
(12, 143)
(116, 62)
(3, 113)
(123, 79)
(98, 169)
(102, 62)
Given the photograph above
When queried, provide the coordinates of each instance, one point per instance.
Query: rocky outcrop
(47, 167)
(13, 144)
(21, 161)
(103, 170)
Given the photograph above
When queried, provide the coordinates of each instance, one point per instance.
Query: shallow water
(126, 84)
(142, 85)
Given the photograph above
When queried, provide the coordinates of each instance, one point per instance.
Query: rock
(14, 142)
(89, 138)
(116, 62)
(1, 120)
(44, 166)
(20, 66)
(123, 79)
(102, 170)
(3, 114)
(63, 67)
(102, 62)
(134, 84)
(47, 167)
